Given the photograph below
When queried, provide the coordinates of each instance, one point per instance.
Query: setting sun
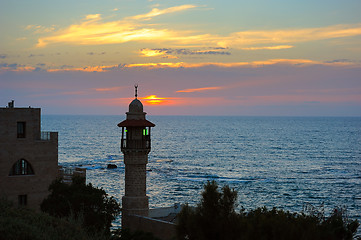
(154, 99)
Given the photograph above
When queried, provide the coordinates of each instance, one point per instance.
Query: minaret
(135, 145)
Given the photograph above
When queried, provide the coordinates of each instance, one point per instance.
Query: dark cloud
(41, 64)
(66, 66)
(12, 66)
(37, 69)
(197, 52)
(3, 56)
(169, 56)
(36, 55)
(120, 66)
(93, 53)
(339, 61)
(184, 51)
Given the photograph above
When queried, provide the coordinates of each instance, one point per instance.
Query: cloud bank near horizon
(288, 90)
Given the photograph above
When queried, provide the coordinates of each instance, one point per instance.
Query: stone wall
(67, 174)
(161, 229)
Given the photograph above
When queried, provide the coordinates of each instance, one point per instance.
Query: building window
(22, 200)
(21, 167)
(21, 129)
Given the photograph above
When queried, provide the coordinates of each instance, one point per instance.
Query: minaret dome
(136, 106)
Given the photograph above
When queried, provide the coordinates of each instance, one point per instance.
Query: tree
(215, 218)
(83, 202)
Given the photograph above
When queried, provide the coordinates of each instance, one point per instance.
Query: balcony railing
(47, 136)
(128, 144)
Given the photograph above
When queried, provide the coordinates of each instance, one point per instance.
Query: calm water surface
(285, 162)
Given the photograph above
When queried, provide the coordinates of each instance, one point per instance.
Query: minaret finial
(136, 90)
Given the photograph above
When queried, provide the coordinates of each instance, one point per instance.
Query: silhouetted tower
(135, 145)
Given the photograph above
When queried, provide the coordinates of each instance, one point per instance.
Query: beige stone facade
(28, 157)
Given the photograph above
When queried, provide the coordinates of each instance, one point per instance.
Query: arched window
(21, 167)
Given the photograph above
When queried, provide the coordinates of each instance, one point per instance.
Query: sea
(286, 162)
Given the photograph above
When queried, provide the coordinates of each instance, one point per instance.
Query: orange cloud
(156, 12)
(226, 65)
(254, 64)
(83, 69)
(151, 52)
(199, 89)
(92, 16)
(156, 65)
(93, 31)
(107, 89)
(6, 68)
(241, 39)
(40, 29)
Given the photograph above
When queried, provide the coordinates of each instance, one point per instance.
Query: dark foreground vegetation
(90, 205)
(79, 211)
(26, 224)
(215, 218)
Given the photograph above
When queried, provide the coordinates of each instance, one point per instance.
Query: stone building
(28, 156)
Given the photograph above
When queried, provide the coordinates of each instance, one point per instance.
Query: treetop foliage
(215, 218)
(84, 202)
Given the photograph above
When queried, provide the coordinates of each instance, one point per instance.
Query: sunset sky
(259, 57)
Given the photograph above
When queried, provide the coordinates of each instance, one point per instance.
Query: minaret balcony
(135, 144)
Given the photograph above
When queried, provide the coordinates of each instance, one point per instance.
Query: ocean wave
(204, 178)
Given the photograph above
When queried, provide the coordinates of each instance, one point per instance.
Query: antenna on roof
(136, 90)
